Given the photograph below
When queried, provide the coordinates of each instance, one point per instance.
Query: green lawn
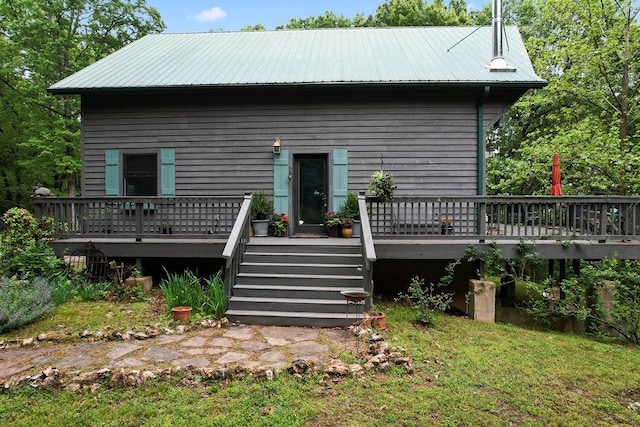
(467, 373)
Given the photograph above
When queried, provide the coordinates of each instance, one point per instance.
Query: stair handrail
(236, 244)
(368, 248)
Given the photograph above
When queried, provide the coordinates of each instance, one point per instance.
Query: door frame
(295, 192)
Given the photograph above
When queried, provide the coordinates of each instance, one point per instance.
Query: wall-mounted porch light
(276, 146)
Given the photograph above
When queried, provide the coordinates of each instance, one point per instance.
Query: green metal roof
(420, 55)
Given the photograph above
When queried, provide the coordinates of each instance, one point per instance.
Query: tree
(588, 51)
(45, 42)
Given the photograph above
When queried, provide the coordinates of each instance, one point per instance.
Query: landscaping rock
(85, 334)
(140, 336)
(41, 337)
(27, 342)
(337, 367)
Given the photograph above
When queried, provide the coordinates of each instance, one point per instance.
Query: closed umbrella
(556, 190)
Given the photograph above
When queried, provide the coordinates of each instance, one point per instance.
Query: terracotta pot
(347, 233)
(376, 319)
(181, 313)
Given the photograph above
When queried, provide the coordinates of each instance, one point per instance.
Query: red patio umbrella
(556, 190)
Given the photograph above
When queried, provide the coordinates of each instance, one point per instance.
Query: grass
(467, 373)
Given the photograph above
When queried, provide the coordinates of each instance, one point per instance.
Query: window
(140, 174)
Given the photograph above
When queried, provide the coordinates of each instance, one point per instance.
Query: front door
(310, 193)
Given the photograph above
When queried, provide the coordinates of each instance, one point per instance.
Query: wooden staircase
(296, 282)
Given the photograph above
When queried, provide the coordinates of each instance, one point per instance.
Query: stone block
(145, 281)
(482, 301)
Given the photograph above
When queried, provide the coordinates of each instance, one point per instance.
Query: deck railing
(141, 217)
(507, 217)
(368, 248)
(234, 250)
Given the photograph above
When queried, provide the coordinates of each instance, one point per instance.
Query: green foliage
(44, 42)
(25, 252)
(426, 301)
(621, 315)
(381, 186)
(65, 288)
(22, 302)
(349, 208)
(185, 289)
(94, 291)
(215, 300)
(261, 206)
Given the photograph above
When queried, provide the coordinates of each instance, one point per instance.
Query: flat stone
(308, 347)
(161, 354)
(10, 368)
(194, 351)
(75, 361)
(215, 350)
(168, 339)
(121, 349)
(231, 357)
(42, 360)
(242, 333)
(128, 362)
(194, 342)
(198, 362)
(338, 336)
(86, 347)
(221, 342)
(208, 333)
(271, 356)
(249, 364)
(283, 335)
(23, 353)
(253, 345)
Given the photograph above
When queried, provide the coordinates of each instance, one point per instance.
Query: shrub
(94, 291)
(22, 302)
(64, 288)
(426, 301)
(25, 252)
(349, 208)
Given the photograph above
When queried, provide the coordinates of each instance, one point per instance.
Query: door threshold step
(297, 288)
(304, 254)
(293, 314)
(261, 300)
(288, 264)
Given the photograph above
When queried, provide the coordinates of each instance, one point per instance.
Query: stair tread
(293, 264)
(305, 254)
(296, 288)
(300, 276)
(288, 300)
(293, 314)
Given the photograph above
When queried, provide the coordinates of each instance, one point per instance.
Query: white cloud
(210, 15)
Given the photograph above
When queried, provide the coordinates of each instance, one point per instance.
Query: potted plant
(166, 227)
(261, 208)
(280, 223)
(350, 209)
(381, 186)
(446, 227)
(116, 272)
(347, 228)
(332, 221)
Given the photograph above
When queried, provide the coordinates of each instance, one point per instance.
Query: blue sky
(231, 15)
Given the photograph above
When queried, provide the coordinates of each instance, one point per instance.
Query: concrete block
(482, 301)
(145, 281)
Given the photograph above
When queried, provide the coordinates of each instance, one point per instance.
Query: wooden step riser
(356, 282)
(292, 258)
(313, 249)
(291, 293)
(308, 307)
(301, 269)
(287, 321)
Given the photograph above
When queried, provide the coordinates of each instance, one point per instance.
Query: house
(177, 127)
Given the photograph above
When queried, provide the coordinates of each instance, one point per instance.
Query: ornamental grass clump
(186, 289)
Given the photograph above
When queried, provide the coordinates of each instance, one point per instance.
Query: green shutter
(340, 177)
(112, 172)
(281, 182)
(168, 172)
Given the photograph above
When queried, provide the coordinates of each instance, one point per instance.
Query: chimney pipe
(497, 61)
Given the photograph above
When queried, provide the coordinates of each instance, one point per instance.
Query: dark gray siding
(223, 144)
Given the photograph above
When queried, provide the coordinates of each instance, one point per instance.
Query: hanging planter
(181, 313)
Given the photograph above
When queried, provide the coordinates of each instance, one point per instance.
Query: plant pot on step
(347, 233)
(261, 227)
(181, 313)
